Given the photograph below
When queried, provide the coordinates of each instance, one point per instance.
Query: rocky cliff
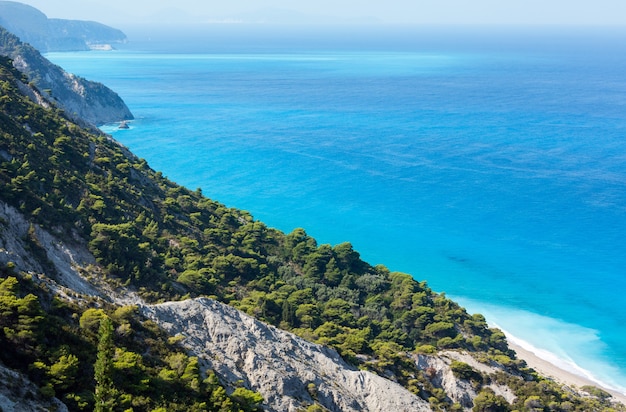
(19, 394)
(82, 100)
(46, 35)
(288, 371)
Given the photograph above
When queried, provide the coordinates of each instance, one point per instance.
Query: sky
(122, 13)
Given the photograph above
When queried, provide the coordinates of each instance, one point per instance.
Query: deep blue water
(491, 163)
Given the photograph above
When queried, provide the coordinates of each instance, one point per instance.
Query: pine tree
(105, 391)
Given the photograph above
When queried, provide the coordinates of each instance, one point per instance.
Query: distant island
(48, 35)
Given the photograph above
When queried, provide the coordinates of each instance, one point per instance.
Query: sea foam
(572, 348)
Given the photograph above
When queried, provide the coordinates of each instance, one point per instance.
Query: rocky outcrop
(460, 391)
(19, 394)
(82, 100)
(20, 241)
(288, 371)
(46, 35)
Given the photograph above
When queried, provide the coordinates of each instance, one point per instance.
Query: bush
(488, 401)
(248, 399)
(90, 319)
(426, 349)
(464, 371)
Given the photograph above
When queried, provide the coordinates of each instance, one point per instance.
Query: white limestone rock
(277, 364)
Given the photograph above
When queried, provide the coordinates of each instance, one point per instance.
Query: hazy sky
(124, 12)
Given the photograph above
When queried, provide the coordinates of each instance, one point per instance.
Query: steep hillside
(289, 372)
(94, 244)
(46, 35)
(81, 99)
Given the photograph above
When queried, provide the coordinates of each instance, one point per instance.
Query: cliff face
(81, 99)
(63, 260)
(289, 372)
(46, 35)
(19, 394)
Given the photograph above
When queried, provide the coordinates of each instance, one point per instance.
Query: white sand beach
(552, 371)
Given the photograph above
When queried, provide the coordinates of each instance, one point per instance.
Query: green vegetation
(488, 401)
(104, 392)
(169, 243)
(464, 371)
(103, 360)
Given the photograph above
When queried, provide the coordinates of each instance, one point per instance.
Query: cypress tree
(288, 315)
(104, 391)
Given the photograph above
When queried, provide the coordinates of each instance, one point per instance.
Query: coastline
(558, 374)
(573, 377)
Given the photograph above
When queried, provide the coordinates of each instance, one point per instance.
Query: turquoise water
(491, 165)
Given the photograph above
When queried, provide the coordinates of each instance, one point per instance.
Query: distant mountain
(81, 99)
(34, 27)
(271, 15)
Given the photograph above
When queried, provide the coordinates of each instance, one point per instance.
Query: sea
(488, 161)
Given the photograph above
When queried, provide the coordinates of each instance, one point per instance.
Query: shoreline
(558, 374)
(543, 361)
